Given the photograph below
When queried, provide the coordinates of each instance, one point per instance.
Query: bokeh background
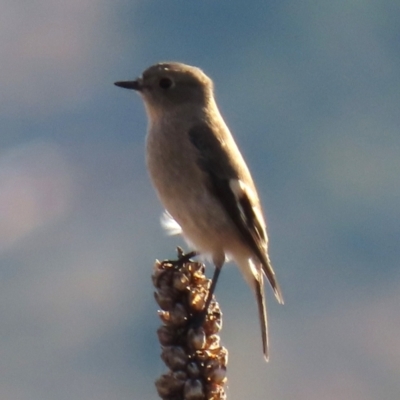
(311, 90)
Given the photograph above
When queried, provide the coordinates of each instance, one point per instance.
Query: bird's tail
(262, 313)
(253, 270)
(270, 274)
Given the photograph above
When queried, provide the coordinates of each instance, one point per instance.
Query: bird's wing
(236, 197)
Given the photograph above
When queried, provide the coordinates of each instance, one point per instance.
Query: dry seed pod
(213, 342)
(222, 356)
(213, 325)
(180, 281)
(169, 384)
(174, 357)
(198, 278)
(215, 372)
(193, 370)
(178, 315)
(218, 375)
(157, 271)
(197, 298)
(202, 356)
(165, 298)
(193, 390)
(166, 335)
(216, 392)
(197, 338)
(165, 279)
(165, 317)
(195, 267)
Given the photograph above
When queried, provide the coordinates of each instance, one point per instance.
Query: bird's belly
(204, 223)
(182, 189)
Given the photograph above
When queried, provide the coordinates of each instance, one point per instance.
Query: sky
(311, 92)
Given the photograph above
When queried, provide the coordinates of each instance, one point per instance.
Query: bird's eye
(165, 83)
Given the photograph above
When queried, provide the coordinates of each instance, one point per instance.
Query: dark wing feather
(214, 160)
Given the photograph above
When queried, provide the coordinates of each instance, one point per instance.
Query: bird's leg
(214, 281)
(199, 318)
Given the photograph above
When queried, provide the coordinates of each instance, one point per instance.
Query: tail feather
(253, 271)
(262, 313)
(270, 274)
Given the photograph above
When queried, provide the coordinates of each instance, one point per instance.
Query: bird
(202, 179)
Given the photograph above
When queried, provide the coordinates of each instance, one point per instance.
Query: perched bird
(201, 177)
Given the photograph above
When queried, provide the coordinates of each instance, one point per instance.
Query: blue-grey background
(311, 90)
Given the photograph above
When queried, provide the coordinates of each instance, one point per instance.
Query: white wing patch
(236, 186)
(240, 189)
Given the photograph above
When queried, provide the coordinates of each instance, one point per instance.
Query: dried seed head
(218, 375)
(213, 342)
(198, 278)
(195, 267)
(164, 316)
(169, 384)
(178, 315)
(166, 335)
(190, 345)
(197, 338)
(158, 269)
(180, 281)
(213, 322)
(174, 357)
(193, 390)
(165, 298)
(197, 298)
(202, 356)
(193, 370)
(215, 372)
(222, 356)
(164, 280)
(216, 392)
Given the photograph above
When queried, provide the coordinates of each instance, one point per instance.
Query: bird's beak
(133, 85)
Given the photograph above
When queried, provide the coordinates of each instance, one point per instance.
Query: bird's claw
(182, 257)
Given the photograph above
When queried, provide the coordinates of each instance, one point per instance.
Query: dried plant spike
(181, 281)
(213, 342)
(166, 335)
(165, 298)
(193, 370)
(179, 315)
(197, 339)
(216, 392)
(190, 343)
(174, 357)
(194, 390)
(169, 384)
(197, 298)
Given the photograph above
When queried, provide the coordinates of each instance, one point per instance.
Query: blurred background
(311, 91)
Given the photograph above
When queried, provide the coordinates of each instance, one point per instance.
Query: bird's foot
(182, 257)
